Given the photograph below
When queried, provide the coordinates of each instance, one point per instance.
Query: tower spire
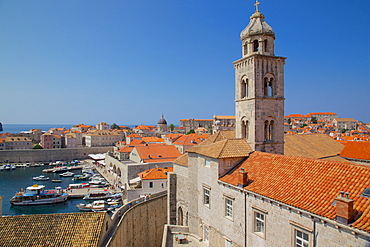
(256, 4)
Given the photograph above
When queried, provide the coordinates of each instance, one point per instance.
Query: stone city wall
(142, 225)
(49, 155)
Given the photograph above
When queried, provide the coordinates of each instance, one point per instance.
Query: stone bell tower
(259, 94)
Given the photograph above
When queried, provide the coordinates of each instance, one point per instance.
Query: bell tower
(259, 94)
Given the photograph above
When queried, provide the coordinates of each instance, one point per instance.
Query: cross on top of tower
(256, 4)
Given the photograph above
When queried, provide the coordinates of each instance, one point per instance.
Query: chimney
(344, 208)
(243, 177)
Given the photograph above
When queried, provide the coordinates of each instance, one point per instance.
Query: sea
(11, 181)
(18, 128)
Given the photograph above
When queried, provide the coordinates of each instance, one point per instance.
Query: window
(228, 243)
(150, 184)
(259, 223)
(255, 45)
(206, 196)
(206, 233)
(208, 163)
(301, 239)
(228, 207)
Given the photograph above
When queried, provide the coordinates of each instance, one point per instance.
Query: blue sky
(129, 61)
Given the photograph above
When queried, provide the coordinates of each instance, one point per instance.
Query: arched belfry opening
(244, 88)
(268, 86)
(256, 46)
(180, 220)
(245, 128)
(269, 130)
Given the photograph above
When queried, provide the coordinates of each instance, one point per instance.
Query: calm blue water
(18, 128)
(11, 181)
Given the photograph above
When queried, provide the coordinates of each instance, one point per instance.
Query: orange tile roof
(68, 229)
(308, 184)
(190, 140)
(357, 150)
(155, 152)
(227, 148)
(155, 173)
(136, 141)
(134, 135)
(182, 160)
(153, 139)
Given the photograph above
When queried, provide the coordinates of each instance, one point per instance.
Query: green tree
(114, 126)
(303, 125)
(190, 132)
(37, 146)
(314, 120)
(344, 130)
(289, 120)
(172, 127)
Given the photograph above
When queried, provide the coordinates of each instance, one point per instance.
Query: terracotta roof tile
(356, 150)
(155, 173)
(182, 160)
(157, 152)
(227, 148)
(309, 184)
(70, 229)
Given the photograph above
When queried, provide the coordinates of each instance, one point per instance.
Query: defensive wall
(140, 222)
(49, 155)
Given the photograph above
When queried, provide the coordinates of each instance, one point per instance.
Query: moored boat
(37, 195)
(2, 168)
(94, 206)
(41, 178)
(67, 174)
(56, 180)
(98, 195)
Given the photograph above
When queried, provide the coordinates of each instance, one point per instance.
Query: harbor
(16, 180)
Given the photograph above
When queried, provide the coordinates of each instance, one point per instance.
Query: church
(240, 188)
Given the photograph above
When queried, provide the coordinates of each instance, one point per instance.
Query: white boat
(37, 195)
(94, 206)
(98, 195)
(61, 169)
(40, 178)
(67, 174)
(8, 167)
(2, 168)
(13, 167)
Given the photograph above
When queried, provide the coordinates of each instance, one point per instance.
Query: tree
(190, 132)
(172, 127)
(314, 120)
(114, 126)
(37, 146)
(303, 125)
(289, 120)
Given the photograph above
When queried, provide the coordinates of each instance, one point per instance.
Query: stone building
(16, 143)
(226, 192)
(345, 124)
(193, 124)
(162, 125)
(259, 84)
(101, 138)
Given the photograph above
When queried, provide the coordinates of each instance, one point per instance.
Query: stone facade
(259, 83)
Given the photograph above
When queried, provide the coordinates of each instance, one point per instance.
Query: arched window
(245, 128)
(268, 87)
(244, 88)
(256, 45)
(269, 130)
(180, 217)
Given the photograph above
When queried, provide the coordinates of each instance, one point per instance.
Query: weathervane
(256, 4)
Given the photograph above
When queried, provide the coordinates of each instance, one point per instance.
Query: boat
(40, 178)
(37, 195)
(67, 174)
(78, 186)
(2, 168)
(8, 167)
(98, 195)
(13, 167)
(56, 180)
(80, 177)
(61, 169)
(94, 206)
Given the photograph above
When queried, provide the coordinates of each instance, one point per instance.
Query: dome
(162, 120)
(257, 26)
